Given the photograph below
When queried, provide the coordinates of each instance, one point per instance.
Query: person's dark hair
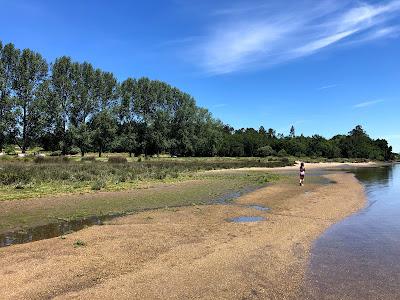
(302, 164)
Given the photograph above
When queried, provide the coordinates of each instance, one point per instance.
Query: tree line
(68, 106)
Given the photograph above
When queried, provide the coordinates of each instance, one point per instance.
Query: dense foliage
(72, 107)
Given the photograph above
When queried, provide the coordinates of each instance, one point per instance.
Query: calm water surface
(359, 258)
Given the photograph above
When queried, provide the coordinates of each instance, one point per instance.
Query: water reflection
(359, 258)
(50, 230)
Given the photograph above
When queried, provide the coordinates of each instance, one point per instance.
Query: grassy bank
(195, 190)
(31, 177)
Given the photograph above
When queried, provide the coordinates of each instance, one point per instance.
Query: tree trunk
(130, 154)
(82, 153)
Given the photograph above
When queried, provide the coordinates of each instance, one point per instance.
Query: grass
(79, 243)
(34, 177)
(195, 189)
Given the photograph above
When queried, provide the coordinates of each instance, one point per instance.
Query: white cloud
(246, 38)
(327, 87)
(367, 103)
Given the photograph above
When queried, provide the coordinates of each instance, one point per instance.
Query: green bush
(285, 160)
(88, 158)
(56, 153)
(10, 150)
(51, 159)
(79, 243)
(282, 153)
(74, 151)
(117, 160)
(98, 185)
(39, 159)
(265, 151)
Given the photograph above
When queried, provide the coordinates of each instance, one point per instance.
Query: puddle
(51, 230)
(228, 198)
(60, 228)
(246, 219)
(259, 207)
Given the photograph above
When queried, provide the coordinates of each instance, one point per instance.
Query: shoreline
(190, 252)
(310, 166)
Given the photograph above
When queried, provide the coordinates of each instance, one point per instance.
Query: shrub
(98, 185)
(79, 243)
(51, 160)
(88, 158)
(282, 153)
(74, 151)
(117, 160)
(265, 151)
(56, 153)
(39, 159)
(285, 160)
(10, 150)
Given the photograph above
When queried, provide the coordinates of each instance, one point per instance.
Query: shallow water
(359, 258)
(259, 207)
(62, 227)
(50, 230)
(246, 219)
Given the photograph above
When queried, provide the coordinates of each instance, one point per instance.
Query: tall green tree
(104, 128)
(83, 103)
(292, 132)
(31, 72)
(104, 122)
(128, 137)
(63, 91)
(8, 63)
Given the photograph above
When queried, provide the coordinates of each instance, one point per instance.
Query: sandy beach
(190, 252)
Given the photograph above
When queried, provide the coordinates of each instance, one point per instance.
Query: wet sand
(187, 253)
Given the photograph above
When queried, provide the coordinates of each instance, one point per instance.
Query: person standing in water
(302, 174)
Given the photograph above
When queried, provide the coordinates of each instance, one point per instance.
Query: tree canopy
(67, 105)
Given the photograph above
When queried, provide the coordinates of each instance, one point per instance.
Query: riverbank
(188, 252)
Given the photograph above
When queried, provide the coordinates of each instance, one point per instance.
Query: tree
(63, 90)
(8, 62)
(128, 139)
(271, 133)
(103, 127)
(83, 103)
(104, 123)
(183, 125)
(81, 106)
(31, 72)
(265, 151)
(292, 133)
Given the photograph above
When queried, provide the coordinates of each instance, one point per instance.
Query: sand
(187, 253)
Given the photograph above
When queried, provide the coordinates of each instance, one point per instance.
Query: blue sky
(323, 66)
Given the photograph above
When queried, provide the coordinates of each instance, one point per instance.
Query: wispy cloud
(367, 103)
(329, 86)
(244, 38)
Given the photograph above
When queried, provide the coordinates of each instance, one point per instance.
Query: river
(359, 257)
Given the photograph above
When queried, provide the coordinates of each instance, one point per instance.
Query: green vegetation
(36, 176)
(79, 243)
(73, 108)
(195, 189)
